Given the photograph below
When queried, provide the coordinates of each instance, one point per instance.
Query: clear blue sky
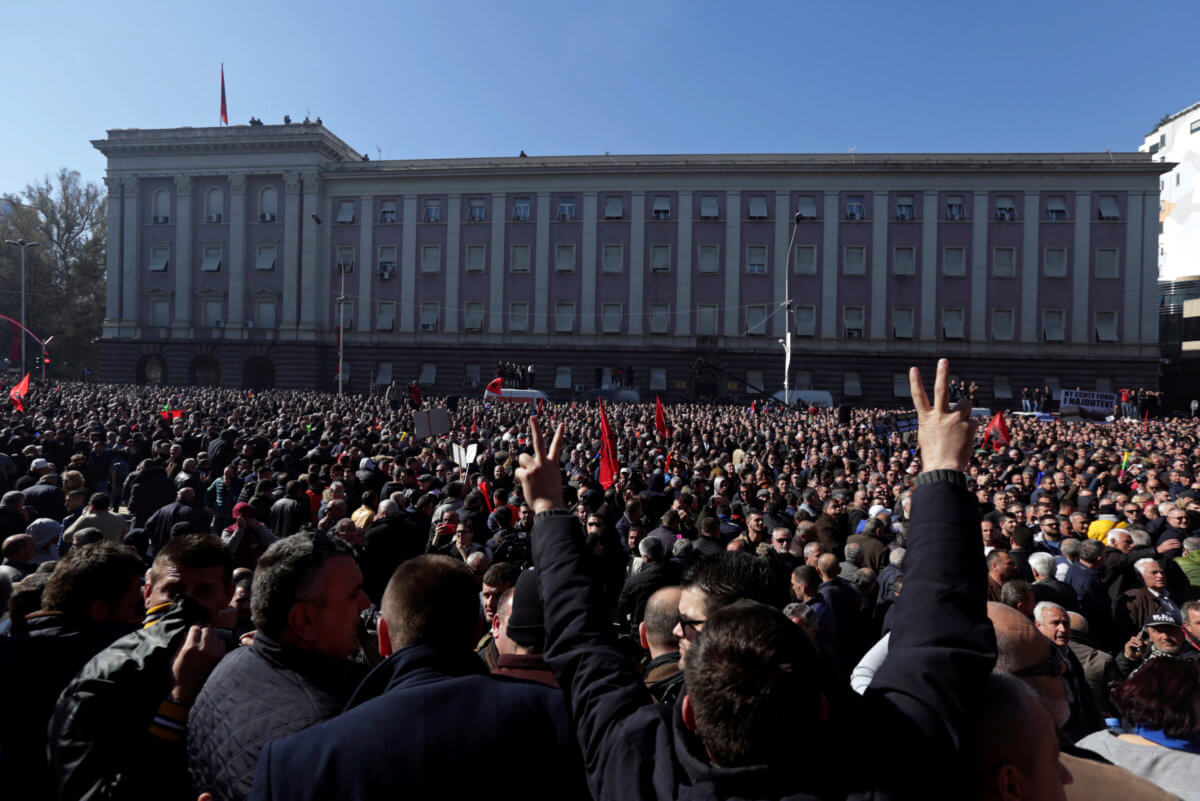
(468, 78)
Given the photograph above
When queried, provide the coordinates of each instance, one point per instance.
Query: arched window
(162, 206)
(268, 205)
(214, 204)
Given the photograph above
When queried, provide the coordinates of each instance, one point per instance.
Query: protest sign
(1095, 407)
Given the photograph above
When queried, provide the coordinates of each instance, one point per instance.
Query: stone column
(829, 267)
(979, 278)
(683, 261)
(130, 240)
(779, 322)
(453, 313)
(497, 314)
(733, 264)
(308, 253)
(237, 256)
(408, 266)
(289, 255)
(541, 267)
(1080, 305)
(879, 267)
(637, 275)
(182, 264)
(588, 261)
(364, 309)
(1131, 270)
(112, 258)
(1030, 326)
(928, 312)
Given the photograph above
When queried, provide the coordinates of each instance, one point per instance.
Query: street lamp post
(341, 307)
(23, 245)
(787, 311)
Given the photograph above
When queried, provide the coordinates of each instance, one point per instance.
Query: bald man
(663, 675)
(1023, 652)
(845, 601)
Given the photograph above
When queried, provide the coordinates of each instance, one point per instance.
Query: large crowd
(214, 593)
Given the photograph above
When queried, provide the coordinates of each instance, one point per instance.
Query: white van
(516, 395)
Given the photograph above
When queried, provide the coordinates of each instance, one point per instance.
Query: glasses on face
(685, 625)
(783, 540)
(1053, 665)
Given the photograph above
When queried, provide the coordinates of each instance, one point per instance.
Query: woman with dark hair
(1160, 707)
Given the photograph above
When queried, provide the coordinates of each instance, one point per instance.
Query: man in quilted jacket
(305, 606)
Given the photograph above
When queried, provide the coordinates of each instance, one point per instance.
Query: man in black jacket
(732, 734)
(118, 728)
(390, 539)
(418, 721)
(305, 605)
(657, 572)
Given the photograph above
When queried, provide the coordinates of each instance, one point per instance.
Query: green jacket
(1190, 565)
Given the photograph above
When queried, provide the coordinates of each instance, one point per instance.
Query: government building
(232, 251)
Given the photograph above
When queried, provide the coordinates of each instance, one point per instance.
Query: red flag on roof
(18, 392)
(660, 418)
(224, 110)
(996, 430)
(608, 451)
(494, 385)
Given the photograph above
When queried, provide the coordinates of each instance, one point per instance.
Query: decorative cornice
(312, 182)
(291, 183)
(183, 186)
(113, 185)
(131, 188)
(301, 137)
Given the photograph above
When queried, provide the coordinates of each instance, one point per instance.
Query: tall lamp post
(23, 245)
(787, 310)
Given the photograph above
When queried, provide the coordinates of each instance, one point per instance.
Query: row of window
(854, 259)
(906, 210)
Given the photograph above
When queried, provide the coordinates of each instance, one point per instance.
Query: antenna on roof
(1108, 150)
(851, 152)
(379, 152)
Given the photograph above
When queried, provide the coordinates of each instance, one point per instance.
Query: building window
(856, 209)
(431, 258)
(614, 258)
(519, 259)
(385, 317)
(710, 258)
(1002, 325)
(212, 258)
(521, 210)
(1006, 209)
(902, 322)
(906, 210)
(211, 312)
(806, 321)
(852, 321)
(1001, 387)
(476, 210)
(387, 211)
(1106, 326)
(264, 314)
(806, 207)
(160, 256)
(1107, 263)
(1108, 208)
(955, 210)
(756, 321)
(855, 260)
(659, 318)
(900, 386)
(433, 211)
(265, 258)
(614, 207)
(658, 379)
(518, 316)
(756, 260)
(954, 262)
(476, 255)
(473, 316)
(566, 209)
(709, 207)
(610, 318)
(1056, 209)
(851, 385)
(268, 205)
(214, 205)
(161, 207)
(387, 261)
(754, 382)
(564, 257)
(471, 374)
(952, 322)
(706, 321)
(345, 259)
(428, 375)
(1195, 126)
(1054, 325)
(662, 208)
(160, 312)
(564, 318)
(345, 212)
(1054, 263)
(430, 312)
(757, 207)
(904, 261)
(806, 260)
(1004, 263)
(562, 378)
(660, 258)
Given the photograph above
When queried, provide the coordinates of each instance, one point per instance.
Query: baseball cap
(39, 464)
(1162, 619)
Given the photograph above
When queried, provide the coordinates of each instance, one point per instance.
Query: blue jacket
(920, 702)
(416, 728)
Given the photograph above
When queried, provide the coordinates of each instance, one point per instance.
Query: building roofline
(1172, 117)
(232, 138)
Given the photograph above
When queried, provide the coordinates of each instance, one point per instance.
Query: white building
(1177, 140)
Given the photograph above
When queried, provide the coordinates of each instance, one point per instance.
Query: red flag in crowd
(660, 418)
(474, 424)
(539, 407)
(753, 407)
(18, 392)
(494, 385)
(171, 414)
(608, 451)
(998, 430)
(224, 110)
(667, 466)
(1145, 420)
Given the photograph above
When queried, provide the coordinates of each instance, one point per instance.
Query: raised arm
(602, 687)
